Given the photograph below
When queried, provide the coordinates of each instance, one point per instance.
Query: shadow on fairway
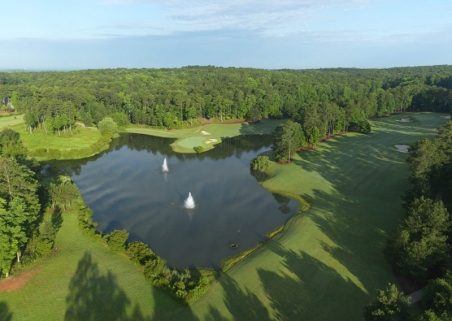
(5, 314)
(291, 292)
(96, 296)
(241, 303)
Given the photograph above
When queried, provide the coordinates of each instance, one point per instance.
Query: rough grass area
(326, 265)
(85, 280)
(83, 142)
(9, 121)
(206, 136)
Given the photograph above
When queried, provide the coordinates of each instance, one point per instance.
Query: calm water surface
(126, 189)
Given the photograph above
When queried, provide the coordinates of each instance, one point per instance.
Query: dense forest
(323, 101)
(421, 251)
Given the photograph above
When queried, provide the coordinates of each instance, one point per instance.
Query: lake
(126, 189)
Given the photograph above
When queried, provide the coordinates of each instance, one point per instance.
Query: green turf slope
(83, 281)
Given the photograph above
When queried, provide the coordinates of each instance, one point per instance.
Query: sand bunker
(211, 141)
(404, 120)
(205, 133)
(446, 117)
(402, 148)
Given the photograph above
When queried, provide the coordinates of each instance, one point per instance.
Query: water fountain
(165, 166)
(189, 202)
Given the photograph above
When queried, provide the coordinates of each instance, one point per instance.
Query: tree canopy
(323, 101)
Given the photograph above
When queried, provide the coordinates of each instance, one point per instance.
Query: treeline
(422, 248)
(324, 101)
(24, 227)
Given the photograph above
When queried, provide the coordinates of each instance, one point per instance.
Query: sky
(69, 34)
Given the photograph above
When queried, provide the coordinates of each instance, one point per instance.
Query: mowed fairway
(326, 265)
(329, 262)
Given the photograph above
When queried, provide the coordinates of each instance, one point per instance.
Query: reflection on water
(126, 188)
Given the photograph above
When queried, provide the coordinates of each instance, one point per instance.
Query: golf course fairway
(326, 265)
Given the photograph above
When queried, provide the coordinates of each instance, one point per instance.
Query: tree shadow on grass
(5, 314)
(310, 290)
(369, 178)
(241, 303)
(57, 218)
(94, 296)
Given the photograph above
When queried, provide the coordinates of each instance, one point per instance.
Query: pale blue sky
(69, 34)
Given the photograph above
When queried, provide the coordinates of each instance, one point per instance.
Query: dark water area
(126, 189)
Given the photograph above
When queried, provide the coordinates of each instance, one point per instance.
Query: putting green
(206, 136)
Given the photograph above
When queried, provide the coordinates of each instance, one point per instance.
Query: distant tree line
(422, 249)
(322, 101)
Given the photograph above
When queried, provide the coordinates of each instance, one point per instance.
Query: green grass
(9, 121)
(326, 265)
(206, 136)
(329, 261)
(82, 138)
(84, 142)
(118, 286)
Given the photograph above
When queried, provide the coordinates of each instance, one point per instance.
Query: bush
(391, 304)
(63, 192)
(117, 239)
(85, 220)
(140, 252)
(120, 119)
(438, 296)
(198, 149)
(11, 144)
(260, 163)
(153, 270)
(360, 126)
(108, 127)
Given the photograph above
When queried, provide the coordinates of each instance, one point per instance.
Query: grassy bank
(84, 278)
(206, 136)
(82, 143)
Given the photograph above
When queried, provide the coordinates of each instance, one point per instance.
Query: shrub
(120, 118)
(108, 127)
(438, 296)
(198, 149)
(139, 252)
(360, 126)
(11, 144)
(153, 270)
(391, 304)
(117, 239)
(63, 192)
(85, 220)
(260, 163)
